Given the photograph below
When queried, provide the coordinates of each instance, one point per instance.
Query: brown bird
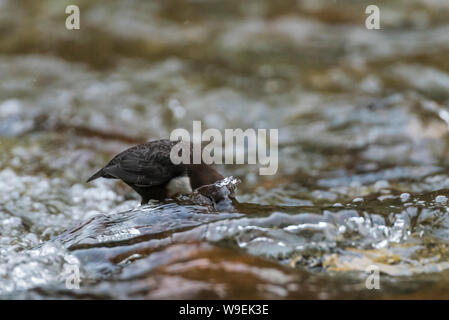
(148, 169)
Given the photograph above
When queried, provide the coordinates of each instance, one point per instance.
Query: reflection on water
(363, 122)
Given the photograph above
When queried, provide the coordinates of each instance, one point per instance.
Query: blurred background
(363, 119)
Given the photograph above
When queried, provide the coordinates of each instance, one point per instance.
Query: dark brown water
(363, 120)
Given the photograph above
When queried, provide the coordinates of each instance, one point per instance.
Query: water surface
(363, 118)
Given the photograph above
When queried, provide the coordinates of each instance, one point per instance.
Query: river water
(363, 120)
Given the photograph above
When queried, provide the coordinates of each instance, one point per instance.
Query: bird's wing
(143, 167)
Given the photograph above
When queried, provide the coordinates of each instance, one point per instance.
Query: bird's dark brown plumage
(148, 169)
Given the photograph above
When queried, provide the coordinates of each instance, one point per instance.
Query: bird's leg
(144, 201)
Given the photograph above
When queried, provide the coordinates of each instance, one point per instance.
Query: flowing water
(363, 119)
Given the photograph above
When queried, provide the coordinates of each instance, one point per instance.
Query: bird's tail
(97, 175)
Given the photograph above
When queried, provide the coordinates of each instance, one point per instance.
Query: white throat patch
(179, 185)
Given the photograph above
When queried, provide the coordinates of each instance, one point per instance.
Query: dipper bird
(148, 169)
